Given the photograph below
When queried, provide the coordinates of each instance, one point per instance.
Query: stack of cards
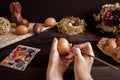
(20, 57)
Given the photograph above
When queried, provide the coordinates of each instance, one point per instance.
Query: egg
(50, 22)
(21, 29)
(37, 28)
(118, 42)
(111, 43)
(63, 46)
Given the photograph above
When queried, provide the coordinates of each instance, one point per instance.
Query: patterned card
(20, 57)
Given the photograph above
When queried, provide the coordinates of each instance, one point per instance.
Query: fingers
(54, 55)
(77, 52)
(69, 58)
(70, 61)
(86, 47)
(81, 51)
(54, 44)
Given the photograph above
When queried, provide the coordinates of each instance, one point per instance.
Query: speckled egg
(5, 25)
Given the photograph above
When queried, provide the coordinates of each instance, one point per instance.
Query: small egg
(50, 22)
(111, 43)
(63, 46)
(37, 28)
(21, 29)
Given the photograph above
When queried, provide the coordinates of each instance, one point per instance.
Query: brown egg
(37, 28)
(50, 22)
(63, 46)
(21, 29)
(118, 42)
(111, 43)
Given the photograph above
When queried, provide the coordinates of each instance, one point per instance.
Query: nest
(71, 26)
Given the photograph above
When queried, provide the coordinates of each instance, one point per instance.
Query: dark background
(38, 11)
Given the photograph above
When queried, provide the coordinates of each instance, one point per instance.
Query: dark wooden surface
(37, 68)
(37, 11)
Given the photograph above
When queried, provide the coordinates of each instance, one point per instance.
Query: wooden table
(37, 68)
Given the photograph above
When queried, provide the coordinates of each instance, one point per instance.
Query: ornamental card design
(20, 57)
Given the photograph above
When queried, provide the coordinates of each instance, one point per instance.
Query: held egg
(63, 46)
(21, 29)
(50, 22)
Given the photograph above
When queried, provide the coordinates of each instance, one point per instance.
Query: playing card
(20, 57)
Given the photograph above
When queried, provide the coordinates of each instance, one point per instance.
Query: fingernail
(54, 39)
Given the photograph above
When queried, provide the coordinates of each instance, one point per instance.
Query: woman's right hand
(83, 63)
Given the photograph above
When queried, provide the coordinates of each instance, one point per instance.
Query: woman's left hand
(57, 64)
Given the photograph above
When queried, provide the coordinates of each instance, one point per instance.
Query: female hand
(82, 62)
(57, 64)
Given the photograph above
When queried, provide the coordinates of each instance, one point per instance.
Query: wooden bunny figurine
(16, 8)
